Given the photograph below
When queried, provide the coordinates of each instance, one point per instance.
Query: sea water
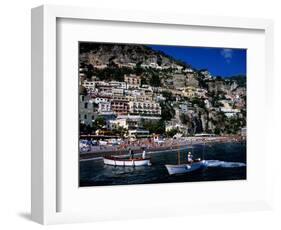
(225, 161)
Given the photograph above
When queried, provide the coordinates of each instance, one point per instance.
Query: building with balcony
(133, 81)
(117, 91)
(140, 98)
(144, 108)
(120, 107)
(104, 107)
(90, 85)
(118, 84)
(139, 133)
(105, 90)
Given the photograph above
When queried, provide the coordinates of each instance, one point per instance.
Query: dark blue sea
(226, 161)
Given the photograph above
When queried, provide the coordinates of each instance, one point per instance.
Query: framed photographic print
(146, 115)
(132, 110)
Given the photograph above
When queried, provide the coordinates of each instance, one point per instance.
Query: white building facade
(145, 108)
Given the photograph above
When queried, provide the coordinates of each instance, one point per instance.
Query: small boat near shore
(134, 162)
(186, 168)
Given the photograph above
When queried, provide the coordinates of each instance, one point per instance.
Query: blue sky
(223, 62)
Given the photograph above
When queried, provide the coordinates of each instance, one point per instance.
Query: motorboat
(187, 167)
(196, 165)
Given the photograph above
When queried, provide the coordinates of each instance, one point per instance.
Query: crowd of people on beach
(151, 144)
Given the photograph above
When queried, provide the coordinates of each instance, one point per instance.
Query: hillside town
(137, 95)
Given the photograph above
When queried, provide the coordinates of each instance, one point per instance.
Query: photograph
(152, 114)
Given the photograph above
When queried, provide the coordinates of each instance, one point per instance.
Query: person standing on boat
(189, 157)
(143, 153)
(131, 153)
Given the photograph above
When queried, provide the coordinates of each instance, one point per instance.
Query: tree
(99, 122)
(159, 60)
(121, 131)
(85, 129)
(198, 101)
(234, 124)
(172, 132)
(143, 81)
(184, 118)
(82, 90)
(138, 69)
(112, 73)
(155, 80)
(138, 64)
(157, 127)
(168, 95)
(167, 111)
(217, 131)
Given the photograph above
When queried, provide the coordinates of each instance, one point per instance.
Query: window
(86, 105)
(85, 116)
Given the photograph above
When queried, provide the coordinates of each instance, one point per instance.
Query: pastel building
(118, 84)
(90, 85)
(104, 107)
(120, 107)
(133, 81)
(144, 108)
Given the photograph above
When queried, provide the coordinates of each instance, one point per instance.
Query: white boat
(190, 166)
(186, 168)
(115, 161)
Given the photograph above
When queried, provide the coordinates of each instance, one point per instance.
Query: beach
(151, 146)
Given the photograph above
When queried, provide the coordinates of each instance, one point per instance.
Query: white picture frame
(45, 167)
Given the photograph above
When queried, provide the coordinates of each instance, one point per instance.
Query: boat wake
(224, 164)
